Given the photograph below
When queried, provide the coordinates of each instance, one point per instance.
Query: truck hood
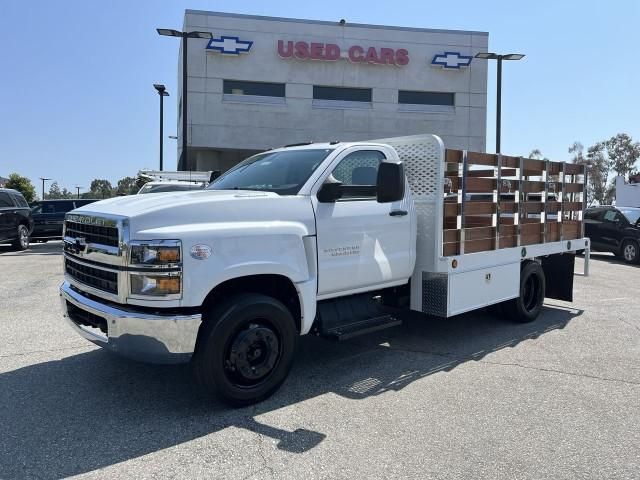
(171, 211)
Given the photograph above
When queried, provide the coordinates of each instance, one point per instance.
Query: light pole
(78, 187)
(499, 58)
(43, 180)
(162, 92)
(184, 36)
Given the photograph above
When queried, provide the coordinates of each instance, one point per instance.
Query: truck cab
(326, 238)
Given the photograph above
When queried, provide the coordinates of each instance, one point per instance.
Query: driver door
(362, 244)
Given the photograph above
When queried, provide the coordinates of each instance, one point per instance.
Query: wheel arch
(277, 286)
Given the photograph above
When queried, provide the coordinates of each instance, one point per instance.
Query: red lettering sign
(331, 52)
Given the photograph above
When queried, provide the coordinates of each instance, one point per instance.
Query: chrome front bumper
(153, 338)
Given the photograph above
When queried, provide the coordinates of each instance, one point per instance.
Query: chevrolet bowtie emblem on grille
(229, 45)
(79, 246)
(451, 60)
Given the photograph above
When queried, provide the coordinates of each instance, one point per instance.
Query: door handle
(398, 213)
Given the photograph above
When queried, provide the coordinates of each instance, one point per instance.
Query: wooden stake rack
(494, 201)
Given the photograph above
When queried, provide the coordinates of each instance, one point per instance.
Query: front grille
(92, 233)
(82, 317)
(94, 277)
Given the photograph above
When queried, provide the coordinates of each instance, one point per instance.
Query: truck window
(610, 216)
(359, 169)
(593, 215)
(283, 172)
(5, 200)
(20, 201)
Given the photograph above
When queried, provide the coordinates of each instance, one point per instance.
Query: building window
(344, 94)
(412, 97)
(341, 97)
(262, 89)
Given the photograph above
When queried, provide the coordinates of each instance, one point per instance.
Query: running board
(347, 317)
(363, 327)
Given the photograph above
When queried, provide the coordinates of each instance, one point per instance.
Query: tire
(245, 349)
(22, 240)
(527, 306)
(630, 252)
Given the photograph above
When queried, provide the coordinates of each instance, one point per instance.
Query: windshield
(282, 172)
(170, 187)
(632, 214)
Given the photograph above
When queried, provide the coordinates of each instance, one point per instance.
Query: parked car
(48, 217)
(16, 222)
(615, 230)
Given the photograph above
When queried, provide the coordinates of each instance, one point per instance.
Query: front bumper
(153, 338)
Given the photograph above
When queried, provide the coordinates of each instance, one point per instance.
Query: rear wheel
(528, 305)
(245, 349)
(22, 240)
(630, 251)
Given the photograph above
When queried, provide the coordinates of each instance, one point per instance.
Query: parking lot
(468, 397)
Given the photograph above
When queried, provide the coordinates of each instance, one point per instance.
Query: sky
(77, 101)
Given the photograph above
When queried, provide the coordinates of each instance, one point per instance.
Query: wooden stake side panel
(516, 201)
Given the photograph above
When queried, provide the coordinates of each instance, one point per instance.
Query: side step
(347, 317)
(351, 330)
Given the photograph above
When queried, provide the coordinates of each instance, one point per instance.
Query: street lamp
(184, 36)
(162, 92)
(499, 58)
(78, 187)
(43, 180)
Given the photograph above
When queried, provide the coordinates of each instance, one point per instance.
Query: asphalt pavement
(471, 397)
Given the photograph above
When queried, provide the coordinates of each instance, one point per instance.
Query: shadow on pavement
(610, 258)
(53, 247)
(92, 410)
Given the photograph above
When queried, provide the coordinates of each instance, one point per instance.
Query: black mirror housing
(330, 191)
(390, 182)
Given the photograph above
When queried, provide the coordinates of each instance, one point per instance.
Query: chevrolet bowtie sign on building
(261, 82)
(229, 45)
(451, 60)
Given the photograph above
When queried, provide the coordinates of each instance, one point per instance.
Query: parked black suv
(16, 222)
(48, 216)
(614, 230)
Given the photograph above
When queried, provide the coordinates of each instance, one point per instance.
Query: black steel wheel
(528, 305)
(22, 239)
(245, 348)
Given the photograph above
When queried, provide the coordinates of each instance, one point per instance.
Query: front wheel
(245, 348)
(630, 251)
(22, 240)
(528, 305)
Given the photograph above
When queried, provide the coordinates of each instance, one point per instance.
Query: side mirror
(390, 182)
(330, 191)
(214, 175)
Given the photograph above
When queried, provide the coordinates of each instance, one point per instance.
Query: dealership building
(263, 82)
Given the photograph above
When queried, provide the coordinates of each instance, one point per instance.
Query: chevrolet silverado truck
(334, 239)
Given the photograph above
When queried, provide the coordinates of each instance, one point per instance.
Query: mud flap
(558, 273)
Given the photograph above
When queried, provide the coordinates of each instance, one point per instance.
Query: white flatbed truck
(333, 239)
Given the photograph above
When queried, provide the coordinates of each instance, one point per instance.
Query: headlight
(156, 252)
(157, 285)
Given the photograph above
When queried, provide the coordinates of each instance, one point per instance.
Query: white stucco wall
(216, 122)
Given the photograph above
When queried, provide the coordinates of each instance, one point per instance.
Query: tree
(577, 150)
(23, 185)
(599, 172)
(536, 153)
(101, 189)
(127, 186)
(54, 191)
(623, 153)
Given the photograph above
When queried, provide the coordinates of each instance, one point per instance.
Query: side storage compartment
(446, 295)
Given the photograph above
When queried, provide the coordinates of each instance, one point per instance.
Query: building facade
(264, 82)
